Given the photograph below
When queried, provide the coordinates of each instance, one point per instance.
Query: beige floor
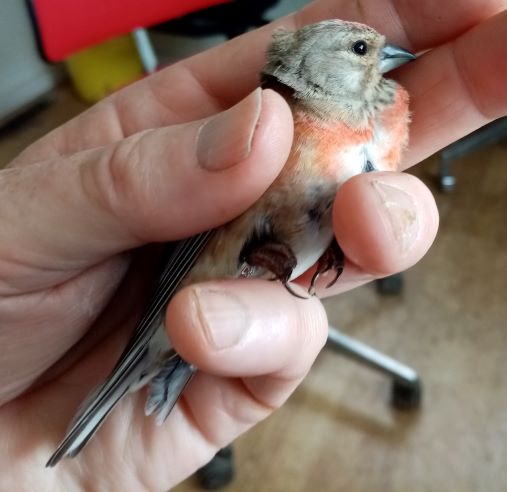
(337, 433)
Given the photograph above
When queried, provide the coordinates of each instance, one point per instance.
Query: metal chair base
(406, 392)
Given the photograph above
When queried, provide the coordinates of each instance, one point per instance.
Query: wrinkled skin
(74, 209)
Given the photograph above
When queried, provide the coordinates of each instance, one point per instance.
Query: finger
(385, 223)
(457, 88)
(250, 358)
(159, 185)
(219, 327)
(209, 82)
(263, 354)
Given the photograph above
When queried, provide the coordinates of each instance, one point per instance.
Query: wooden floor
(338, 433)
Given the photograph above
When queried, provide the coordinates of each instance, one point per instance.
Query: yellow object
(104, 68)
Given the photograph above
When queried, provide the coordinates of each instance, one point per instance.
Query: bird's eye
(360, 48)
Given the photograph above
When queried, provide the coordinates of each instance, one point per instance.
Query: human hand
(83, 184)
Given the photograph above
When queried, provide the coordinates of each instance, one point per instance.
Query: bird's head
(333, 61)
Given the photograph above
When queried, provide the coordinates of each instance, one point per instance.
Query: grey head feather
(319, 63)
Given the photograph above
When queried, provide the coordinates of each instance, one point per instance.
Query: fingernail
(221, 315)
(401, 216)
(226, 139)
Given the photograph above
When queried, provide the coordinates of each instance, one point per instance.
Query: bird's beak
(392, 57)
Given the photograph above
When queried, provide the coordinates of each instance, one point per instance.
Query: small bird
(348, 119)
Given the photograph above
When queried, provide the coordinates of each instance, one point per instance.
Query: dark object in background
(232, 19)
(219, 471)
(392, 285)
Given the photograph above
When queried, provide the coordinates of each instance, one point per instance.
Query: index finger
(216, 79)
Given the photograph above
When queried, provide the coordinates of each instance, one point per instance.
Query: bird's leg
(275, 257)
(332, 259)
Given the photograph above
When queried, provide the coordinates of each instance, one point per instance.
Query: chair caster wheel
(391, 285)
(219, 472)
(447, 184)
(406, 396)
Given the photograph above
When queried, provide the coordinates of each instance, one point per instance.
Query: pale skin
(68, 225)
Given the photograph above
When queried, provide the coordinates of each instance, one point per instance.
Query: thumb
(68, 213)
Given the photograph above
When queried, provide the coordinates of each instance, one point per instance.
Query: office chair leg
(487, 135)
(145, 50)
(406, 390)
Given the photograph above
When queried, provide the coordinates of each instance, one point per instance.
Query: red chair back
(67, 26)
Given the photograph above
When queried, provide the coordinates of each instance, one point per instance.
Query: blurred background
(445, 318)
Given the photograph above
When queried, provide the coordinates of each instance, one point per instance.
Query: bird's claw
(275, 257)
(332, 259)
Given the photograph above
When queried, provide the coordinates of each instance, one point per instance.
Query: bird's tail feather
(165, 389)
(86, 423)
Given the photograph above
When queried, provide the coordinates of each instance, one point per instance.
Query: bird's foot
(277, 258)
(332, 259)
